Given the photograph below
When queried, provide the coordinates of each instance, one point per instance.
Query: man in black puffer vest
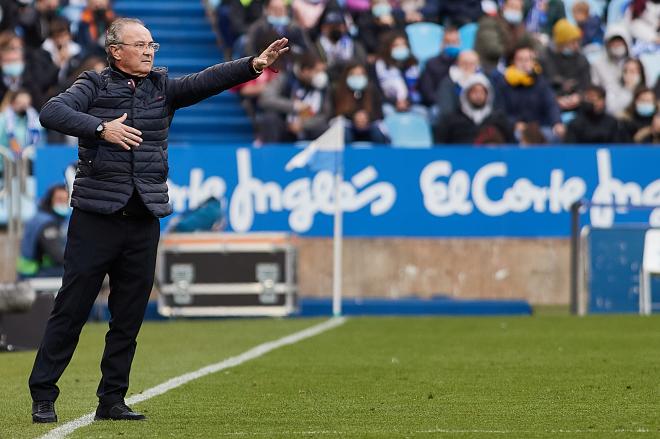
(121, 117)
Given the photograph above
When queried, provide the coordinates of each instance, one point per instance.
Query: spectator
(590, 25)
(593, 124)
(295, 106)
(233, 19)
(336, 46)
(639, 114)
(531, 135)
(397, 73)
(526, 96)
(620, 95)
(644, 16)
(452, 85)
(372, 26)
(358, 100)
(476, 121)
(606, 71)
(650, 134)
(94, 21)
(64, 52)
(453, 12)
(25, 68)
(541, 16)
(43, 242)
(34, 21)
(498, 36)
(307, 13)
(8, 15)
(19, 122)
(412, 11)
(565, 67)
(437, 68)
(276, 17)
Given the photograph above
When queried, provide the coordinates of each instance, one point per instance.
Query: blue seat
(425, 40)
(468, 34)
(409, 130)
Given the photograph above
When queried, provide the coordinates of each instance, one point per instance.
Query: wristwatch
(100, 130)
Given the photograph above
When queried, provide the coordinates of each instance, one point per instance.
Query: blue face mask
(512, 16)
(567, 52)
(357, 82)
(381, 10)
(13, 69)
(452, 51)
(278, 21)
(645, 109)
(400, 53)
(62, 210)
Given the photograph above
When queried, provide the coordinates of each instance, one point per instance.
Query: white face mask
(320, 80)
(618, 52)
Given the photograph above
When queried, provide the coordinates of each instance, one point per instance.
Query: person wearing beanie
(564, 66)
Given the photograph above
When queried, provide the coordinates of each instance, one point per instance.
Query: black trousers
(124, 247)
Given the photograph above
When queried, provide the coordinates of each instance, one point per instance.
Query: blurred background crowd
(481, 72)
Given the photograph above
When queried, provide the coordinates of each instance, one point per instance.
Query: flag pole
(337, 247)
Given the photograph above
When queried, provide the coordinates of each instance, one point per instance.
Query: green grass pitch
(533, 377)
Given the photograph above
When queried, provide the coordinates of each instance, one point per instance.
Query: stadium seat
(409, 130)
(616, 10)
(468, 33)
(651, 63)
(425, 40)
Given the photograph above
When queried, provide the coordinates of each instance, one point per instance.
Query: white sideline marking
(257, 351)
(434, 431)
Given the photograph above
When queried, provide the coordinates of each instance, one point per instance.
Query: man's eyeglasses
(142, 46)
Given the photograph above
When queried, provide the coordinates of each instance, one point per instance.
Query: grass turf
(544, 376)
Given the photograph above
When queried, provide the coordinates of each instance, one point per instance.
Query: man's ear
(115, 53)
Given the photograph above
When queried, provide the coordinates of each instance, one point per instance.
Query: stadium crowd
(533, 75)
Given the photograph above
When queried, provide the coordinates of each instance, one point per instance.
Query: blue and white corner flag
(324, 153)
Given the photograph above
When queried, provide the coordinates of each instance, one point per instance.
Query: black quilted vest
(107, 173)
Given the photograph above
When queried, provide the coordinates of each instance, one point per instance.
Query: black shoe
(117, 412)
(43, 411)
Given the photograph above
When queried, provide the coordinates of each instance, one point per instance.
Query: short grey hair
(113, 34)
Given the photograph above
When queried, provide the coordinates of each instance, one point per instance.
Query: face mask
(356, 82)
(452, 51)
(400, 53)
(381, 10)
(320, 80)
(512, 16)
(20, 113)
(335, 35)
(589, 109)
(618, 52)
(567, 52)
(645, 109)
(62, 210)
(13, 69)
(278, 21)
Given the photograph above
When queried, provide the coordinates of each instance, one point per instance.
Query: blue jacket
(107, 174)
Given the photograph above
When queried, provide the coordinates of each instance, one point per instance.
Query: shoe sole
(98, 418)
(43, 420)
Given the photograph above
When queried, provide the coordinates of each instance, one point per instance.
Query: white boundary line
(257, 351)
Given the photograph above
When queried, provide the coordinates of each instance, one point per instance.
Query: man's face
(524, 60)
(47, 5)
(277, 8)
(307, 74)
(468, 61)
(13, 53)
(594, 99)
(62, 39)
(137, 61)
(98, 4)
(477, 96)
(21, 103)
(60, 197)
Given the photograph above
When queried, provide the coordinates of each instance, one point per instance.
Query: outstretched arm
(190, 89)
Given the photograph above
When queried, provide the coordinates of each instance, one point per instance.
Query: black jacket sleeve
(66, 112)
(190, 89)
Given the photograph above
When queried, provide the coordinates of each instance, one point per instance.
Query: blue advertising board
(389, 192)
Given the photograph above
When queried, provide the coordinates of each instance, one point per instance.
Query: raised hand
(270, 55)
(120, 134)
